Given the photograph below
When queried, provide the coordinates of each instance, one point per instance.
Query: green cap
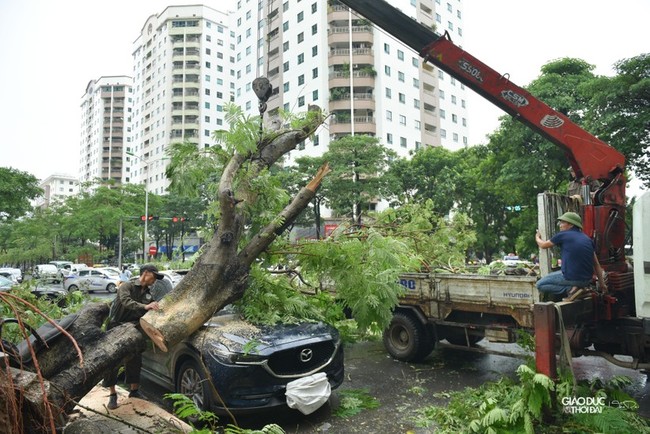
(571, 217)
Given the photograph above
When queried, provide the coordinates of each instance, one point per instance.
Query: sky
(50, 50)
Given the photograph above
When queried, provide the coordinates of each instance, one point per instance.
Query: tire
(407, 339)
(73, 288)
(191, 382)
(111, 288)
(456, 336)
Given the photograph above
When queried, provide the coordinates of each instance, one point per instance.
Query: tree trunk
(64, 376)
(218, 278)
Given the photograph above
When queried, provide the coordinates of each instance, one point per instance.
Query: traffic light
(153, 217)
(179, 219)
(174, 219)
(143, 218)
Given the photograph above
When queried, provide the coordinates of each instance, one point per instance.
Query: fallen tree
(217, 278)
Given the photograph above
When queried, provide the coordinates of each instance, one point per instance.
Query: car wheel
(72, 288)
(111, 287)
(191, 382)
(456, 336)
(407, 339)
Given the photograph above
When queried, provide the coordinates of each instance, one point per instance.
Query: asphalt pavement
(403, 388)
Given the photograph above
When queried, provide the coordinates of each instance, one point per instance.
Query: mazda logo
(306, 354)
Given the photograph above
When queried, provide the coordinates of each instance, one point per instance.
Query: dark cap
(153, 269)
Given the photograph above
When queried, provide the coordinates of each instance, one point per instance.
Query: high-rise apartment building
(105, 123)
(322, 53)
(182, 77)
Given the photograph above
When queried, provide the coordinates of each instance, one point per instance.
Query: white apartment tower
(105, 123)
(182, 77)
(321, 53)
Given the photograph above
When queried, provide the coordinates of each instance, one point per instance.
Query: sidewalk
(132, 416)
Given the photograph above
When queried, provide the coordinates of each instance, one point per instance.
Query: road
(403, 388)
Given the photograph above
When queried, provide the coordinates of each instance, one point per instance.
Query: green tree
(17, 189)
(293, 177)
(619, 111)
(359, 164)
(430, 175)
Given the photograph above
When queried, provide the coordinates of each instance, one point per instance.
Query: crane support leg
(545, 360)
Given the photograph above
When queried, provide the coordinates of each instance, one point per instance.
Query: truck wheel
(456, 336)
(407, 339)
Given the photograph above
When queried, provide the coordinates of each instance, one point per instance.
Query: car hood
(240, 336)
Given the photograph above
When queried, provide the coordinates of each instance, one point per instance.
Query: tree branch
(268, 234)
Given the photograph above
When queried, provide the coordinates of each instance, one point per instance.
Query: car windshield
(5, 282)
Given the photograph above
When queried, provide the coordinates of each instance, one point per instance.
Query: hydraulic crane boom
(590, 157)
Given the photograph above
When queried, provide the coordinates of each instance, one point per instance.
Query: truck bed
(441, 294)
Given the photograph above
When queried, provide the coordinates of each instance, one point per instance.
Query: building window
(301, 37)
(415, 62)
(402, 142)
(416, 103)
(453, 99)
(301, 79)
(400, 54)
(443, 133)
(389, 93)
(314, 51)
(301, 101)
(207, 119)
(387, 70)
(455, 137)
(462, 103)
(389, 138)
(389, 115)
(400, 76)
(454, 118)
(285, 46)
(301, 58)
(464, 122)
(443, 114)
(314, 73)
(301, 16)
(314, 95)
(386, 48)
(285, 87)
(285, 66)
(418, 125)
(441, 75)
(314, 29)
(402, 98)
(285, 26)
(442, 94)
(206, 133)
(285, 6)
(402, 120)
(314, 8)
(416, 83)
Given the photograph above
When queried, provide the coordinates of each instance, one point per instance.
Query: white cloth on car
(308, 394)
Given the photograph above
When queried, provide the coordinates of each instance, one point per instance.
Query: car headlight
(222, 353)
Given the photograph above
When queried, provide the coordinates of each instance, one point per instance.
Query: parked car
(68, 269)
(250, 366)
(173, 276)
(6, 284)
(91, 279)
(60, 264)
(46, 272)
(14, 274)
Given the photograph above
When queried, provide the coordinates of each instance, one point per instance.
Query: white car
(46, 272)
(68, 269)
(91, 279)
(14, 274)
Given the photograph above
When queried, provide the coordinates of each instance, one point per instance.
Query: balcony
(362, 124)
(340, 35)
(362, 101)
(361, 78)
(359, 55)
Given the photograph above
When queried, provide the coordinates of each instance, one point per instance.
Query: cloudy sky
(50, 50)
